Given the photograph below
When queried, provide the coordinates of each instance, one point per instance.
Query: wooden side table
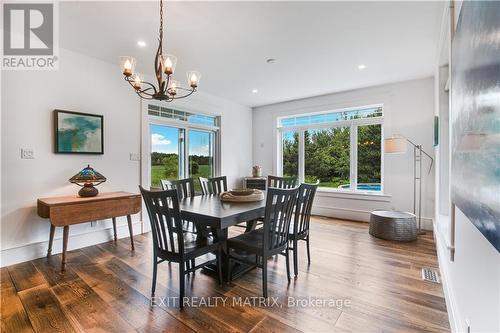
(67, 210)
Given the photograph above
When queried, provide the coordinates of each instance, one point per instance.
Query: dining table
(209, 211)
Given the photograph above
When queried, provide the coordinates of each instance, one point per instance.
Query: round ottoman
(393, 225)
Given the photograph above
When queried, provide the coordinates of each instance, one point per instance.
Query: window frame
(353, 125)
(179, 124)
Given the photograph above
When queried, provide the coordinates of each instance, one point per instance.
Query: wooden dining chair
(215, 185)
(281, 182)
(272, 239)
(170, 243)
(276, 182)
(184, 187)
(299, 229)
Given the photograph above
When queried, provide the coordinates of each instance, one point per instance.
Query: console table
(67, 210)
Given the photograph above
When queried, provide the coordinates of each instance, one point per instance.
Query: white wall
(408, 110)
(83, 84)
(472, 280)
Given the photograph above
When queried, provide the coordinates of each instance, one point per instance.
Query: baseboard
(38, 250)
(451, 305)
(357, 215)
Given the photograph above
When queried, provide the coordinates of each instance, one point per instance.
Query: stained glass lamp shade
(87, 179)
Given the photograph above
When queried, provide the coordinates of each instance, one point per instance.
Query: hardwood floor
(106, 288)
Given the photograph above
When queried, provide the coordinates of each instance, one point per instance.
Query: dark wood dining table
(210, 211)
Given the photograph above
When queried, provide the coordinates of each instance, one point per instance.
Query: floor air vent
(430, 275)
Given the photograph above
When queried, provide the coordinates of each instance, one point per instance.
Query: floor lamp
(398, 144)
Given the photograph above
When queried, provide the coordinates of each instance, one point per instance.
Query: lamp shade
(87, 176)
(395, 145)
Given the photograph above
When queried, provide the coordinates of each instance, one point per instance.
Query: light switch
(135, 156)
(27, 153)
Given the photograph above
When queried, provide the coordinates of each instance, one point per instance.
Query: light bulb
(168, 66)
(194, 80)
(127, 68)
(137, 82)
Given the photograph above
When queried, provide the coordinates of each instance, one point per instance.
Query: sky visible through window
(165, 139)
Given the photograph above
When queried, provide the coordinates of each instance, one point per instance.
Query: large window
(182, 145)
(327, 156)
(340, 149)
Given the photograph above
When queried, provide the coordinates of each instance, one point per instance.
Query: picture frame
(78, 133)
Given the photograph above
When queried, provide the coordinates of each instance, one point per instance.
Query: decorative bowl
(242, 191)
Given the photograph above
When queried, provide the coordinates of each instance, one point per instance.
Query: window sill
(368, 196)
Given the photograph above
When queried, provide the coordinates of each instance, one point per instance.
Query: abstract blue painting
(475, 116)
(78, 133)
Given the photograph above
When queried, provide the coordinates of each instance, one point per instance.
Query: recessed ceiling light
(254, 91)
(141, 43)
(361, 67)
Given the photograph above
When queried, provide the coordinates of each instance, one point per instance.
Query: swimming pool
(364, 186)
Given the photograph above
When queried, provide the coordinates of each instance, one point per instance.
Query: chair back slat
(184, 187)
(277, 217)
(303, 207)
(215, 185)
(281, 182)
(165, 218)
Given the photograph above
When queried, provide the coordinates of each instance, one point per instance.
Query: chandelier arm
(148, 97)
(145, 82)
(184, 96)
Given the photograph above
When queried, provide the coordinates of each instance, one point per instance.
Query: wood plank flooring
(106, 288)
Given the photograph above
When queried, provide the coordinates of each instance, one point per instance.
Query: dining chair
(170, 243)
(215, 185)
(281, 182)
(269, 241)
(299, 229)
(184, 187)
(277, 182)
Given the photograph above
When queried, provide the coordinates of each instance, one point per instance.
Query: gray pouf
(393, 225)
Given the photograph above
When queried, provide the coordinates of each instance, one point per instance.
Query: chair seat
(249, 242)
(193, 247)
(198, 247)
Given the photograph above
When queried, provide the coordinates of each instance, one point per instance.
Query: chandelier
(168, 88)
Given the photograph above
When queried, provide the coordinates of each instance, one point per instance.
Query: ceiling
(318, 46)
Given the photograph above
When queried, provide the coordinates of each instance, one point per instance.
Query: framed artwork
(78, 133)
(475, 114)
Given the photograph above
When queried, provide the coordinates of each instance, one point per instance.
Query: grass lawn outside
(158, 173)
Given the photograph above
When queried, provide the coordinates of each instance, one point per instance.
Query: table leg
(65, 247)
(251, 225)
(129, 220)
(114, 229)
(51, 239)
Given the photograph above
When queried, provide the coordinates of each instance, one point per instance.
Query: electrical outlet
(135, 157)
(27, 153)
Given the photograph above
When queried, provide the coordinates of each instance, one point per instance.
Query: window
(181, 145)
(201, 155)
(290, 143)
(327, 156)
(340, 149)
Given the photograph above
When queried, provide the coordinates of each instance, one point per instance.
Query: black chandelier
(168, 89)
